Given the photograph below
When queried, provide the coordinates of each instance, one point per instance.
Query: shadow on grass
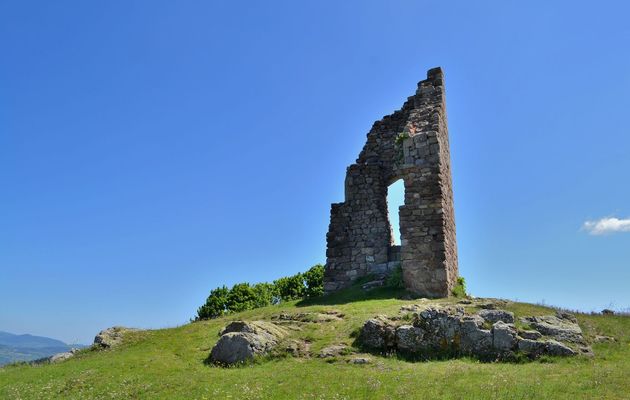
(447, 353)
(356, 293)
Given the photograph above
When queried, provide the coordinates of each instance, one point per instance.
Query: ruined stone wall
(411, 144)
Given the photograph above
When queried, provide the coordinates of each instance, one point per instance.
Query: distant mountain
(29, 347)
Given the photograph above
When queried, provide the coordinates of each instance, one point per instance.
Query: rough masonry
(411, 144)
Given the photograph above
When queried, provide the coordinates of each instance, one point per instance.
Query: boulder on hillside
(242, 340)
(59, 357)
(111, 337)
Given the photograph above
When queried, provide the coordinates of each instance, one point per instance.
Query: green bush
(395, 279)
(216, 304)
(460, 288)
(265, 294)
(290, 287)
(244, 296)
(314, 280)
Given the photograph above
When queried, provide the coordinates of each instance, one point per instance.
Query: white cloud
(607, 225)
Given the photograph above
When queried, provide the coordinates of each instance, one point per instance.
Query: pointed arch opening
(395, 199)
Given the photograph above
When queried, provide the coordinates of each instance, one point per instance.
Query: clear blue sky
(153, 150)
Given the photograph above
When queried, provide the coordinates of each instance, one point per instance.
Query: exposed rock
(530, 334)
(236, 347)
(257, 327)
(321, 317)
(59, 357)
(334, 312)
(503, 336)
(410, 308)
(441, 327)
(409, 338)
(567, 316)
(373, 284)
(333, 351)
(359, 360)
(607, 311)
(533, 348)
(111, 337)
(490, 304)
(586, 350)
(328, 316)
(556, 348)
(561, 329)
(493, 316)
(378, 334)
(241, 341)
(475, 339)
(298, 348)
(603, 339)
(238, 326)
(55, 358)
(449, 331)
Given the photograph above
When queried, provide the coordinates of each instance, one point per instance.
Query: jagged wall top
(410, 144)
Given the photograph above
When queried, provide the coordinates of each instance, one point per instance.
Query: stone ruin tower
(411, 144)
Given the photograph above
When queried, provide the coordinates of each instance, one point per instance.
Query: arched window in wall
(395, 199)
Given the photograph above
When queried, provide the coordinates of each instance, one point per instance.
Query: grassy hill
(169, 364)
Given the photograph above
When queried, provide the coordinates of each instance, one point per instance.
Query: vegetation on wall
(400, 138)
(460, 288)
(395, 279)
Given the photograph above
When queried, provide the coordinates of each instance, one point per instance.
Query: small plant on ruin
(395, 280)
(460, 288)
(400, 138)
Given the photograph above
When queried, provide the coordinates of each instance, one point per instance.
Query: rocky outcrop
(242, 340)
(438, 332)
(493, 316)
(604, 339)
(562, 327)
(298, 348)
(378, 334)
(111, 337)
(55, 358)
(59, 357)
(359, 360)
(335, 350)
(307, 317)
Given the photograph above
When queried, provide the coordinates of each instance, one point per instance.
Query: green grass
(169, 364)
